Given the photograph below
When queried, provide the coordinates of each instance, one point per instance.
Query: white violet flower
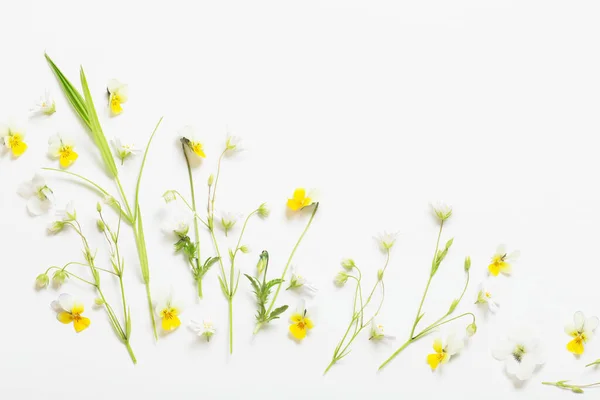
(486, 296)
(377, 332)
(521, 353)
(45, 105)
(205, 329)
(39, 196)
(581, 329)
(298, 281)
(118, 94)
(124, 150)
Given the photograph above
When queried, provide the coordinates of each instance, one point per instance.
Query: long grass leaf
(139, 180)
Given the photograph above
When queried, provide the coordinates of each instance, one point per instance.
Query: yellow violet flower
(299, 200)
(190, 140)
(13, 139)
(63, 149)
(501, 261)
(68, 310)
(444, 351)
(117, 95)
(301, 323)
(169, 313)
(581, 330)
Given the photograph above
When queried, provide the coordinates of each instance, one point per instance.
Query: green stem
(128, 214)
(130, 351)
(417, 318)
(230, 325)
(287, 265)
(196, 230)
(404, 346)
(597, 362)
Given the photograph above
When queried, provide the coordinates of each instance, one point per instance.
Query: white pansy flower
(205, 329)
(169, 311)
(45, 105)
(124, 150)
(502, 261)
(386, 240)
(487, 296)
(39, 196)
(521, 353)
(377, 332)
(12, 137)
(582, 330)
(118, 94)
(442, 210)
(298, 281)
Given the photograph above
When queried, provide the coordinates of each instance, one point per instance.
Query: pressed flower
(192, 143)
(39, 196)
(124, 150)
(386, 240)
(169, 313)
(205, 329)
(501, 261)
(117, 95)
(299, 200)
(582, 330)
(442, 210)
(341, 278)
(444, 350)
(45, 105)
(232, 144)
(486, 296)
(298, 281)
(176, 223)
(68, 310)
(59, 278)
(63, 149)
(13, 139)
(301, 323)
(377, 332)
(263, 210)
(521, 353)
(348, 264)
(41, 281)
(227, 221)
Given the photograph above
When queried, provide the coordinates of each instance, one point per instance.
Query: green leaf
(449, 243)
(141, 247)
(210, 261)
(224, 287)
(273, 282)
(277, 312)
(231, 256)
(254, 283)
(139, 180)
(128, 323)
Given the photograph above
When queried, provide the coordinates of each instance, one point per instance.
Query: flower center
(14, 140)
(301, 324)
(41, 192)
(488, 295)
(519, 352)
(169, 313)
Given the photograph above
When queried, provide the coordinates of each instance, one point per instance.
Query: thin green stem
(130, 351)
(230, 325)
(597, 362)
(196, 229)
(573, 388)
(124, 198)
(437, 325)
(287, 265)
(212, 202)
(404, 346)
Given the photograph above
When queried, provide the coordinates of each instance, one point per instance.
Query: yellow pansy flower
(68, 310)
(299, 200)
(501, 261)
(169, 313)
(63, 149)
(581, 330)
(190, 140)
(117, 95)
(444, 351)
(13, 139)
(301, 323)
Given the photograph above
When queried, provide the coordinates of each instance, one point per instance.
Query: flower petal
(297, 332)
(579, 320)
(526, 367)
(591, 323)
(81, 323)
(503, 351)
(36, 206)
(66, 302)
(64, 317)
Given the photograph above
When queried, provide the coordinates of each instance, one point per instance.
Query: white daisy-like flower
(377, 332)
(124, 150)
(386, 240)
(521, 353)
(441, 210)
(45, 105)
(39, 196)
(118, 93)
(582, 330)
(298, 281)
(486, 296)
(205, 329)
(228, 220)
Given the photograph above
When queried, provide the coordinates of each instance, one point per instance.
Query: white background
(383, 106)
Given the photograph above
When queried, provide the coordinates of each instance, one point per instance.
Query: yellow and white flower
(521, 353)
(39, 196)
(205, 329)
(486, 297)
(298, 281)
(386, 240)
(63, 149)
(13, 139)
(117, 95)
(502, 261)
(444, 350)
(69, 310)
(301, 323)
(582, 329)
(192, 143)
(377, 332)
(124, 150)
(299, 200)
(45, 105)
(441, 210)
(168, 311)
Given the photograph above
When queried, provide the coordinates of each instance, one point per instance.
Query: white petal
(124, 93)
(579, 320)
(3, 130)
(454, 344)
(37, 206)
(512, 365)
(501, 249)
(512, 257)
(503, 351)
(196, 327)
(301, 307)
(38, 181)
(526, 367)
(66, 302)
(113, 85)
(56, 306)
(26, 190)
(591, 324)
(570, 329)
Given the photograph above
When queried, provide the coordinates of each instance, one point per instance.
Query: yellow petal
(172, 323)
(81, 323)
(299, 194)
(64, 317)
(77, 308)
(294, 204)
(67, 158)
(437, 346)
(297, 331)
(433, 360)
(19, 148)
(494, 269)
(115, 104)
(575, 346)
(308, 323)
(505, 268)
(296, 318)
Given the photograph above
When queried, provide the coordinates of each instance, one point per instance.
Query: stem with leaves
(572, 388)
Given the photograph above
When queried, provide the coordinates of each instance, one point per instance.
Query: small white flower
(232, 145)
(377, 332)
(45, 105)
(124, 150)
(298, 281)
(205, 329)
(521, 353)
(228, 220)
(441, 210)
(118, 94)
(486, 296)
(386, 240)
(176, 223)
(65, 215)
(39, 196)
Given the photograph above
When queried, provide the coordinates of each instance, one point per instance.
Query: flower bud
(98, 207)
(380, 275)
(42, 281)
(100, 225)
(263, 210)
(471, 329)
(341, 278)
(56, 227)
(467, 263)
(244, 249)
(348, 264)
(263, 261)
(169, 196)
(98, 301)
(211, 180)
(59, 278)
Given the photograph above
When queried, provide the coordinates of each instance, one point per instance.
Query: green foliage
(190, 250)
(262, 291)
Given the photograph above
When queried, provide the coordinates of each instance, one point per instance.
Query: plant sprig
(262, 291)
(572, 388)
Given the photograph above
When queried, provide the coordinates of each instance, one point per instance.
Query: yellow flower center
(488, 295)
(67, 156)
(115, 103)
(16, 144)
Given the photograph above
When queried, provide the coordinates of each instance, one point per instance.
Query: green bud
(263, 210)
(467, 263)
(98, 207)
(576, 389)
(56, 227)
(42, 281)
(211, 180)
(348, 264)
(453, 306)
(169, 196)
(341, 278)
(59, 278)
(99, 302)
(471, 329)
(245, 249)
(100, 225)
(380, 275)
(263, 261)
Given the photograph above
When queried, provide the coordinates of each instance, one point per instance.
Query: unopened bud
(42, 281)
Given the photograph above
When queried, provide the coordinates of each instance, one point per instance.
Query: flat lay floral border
(521, 352)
